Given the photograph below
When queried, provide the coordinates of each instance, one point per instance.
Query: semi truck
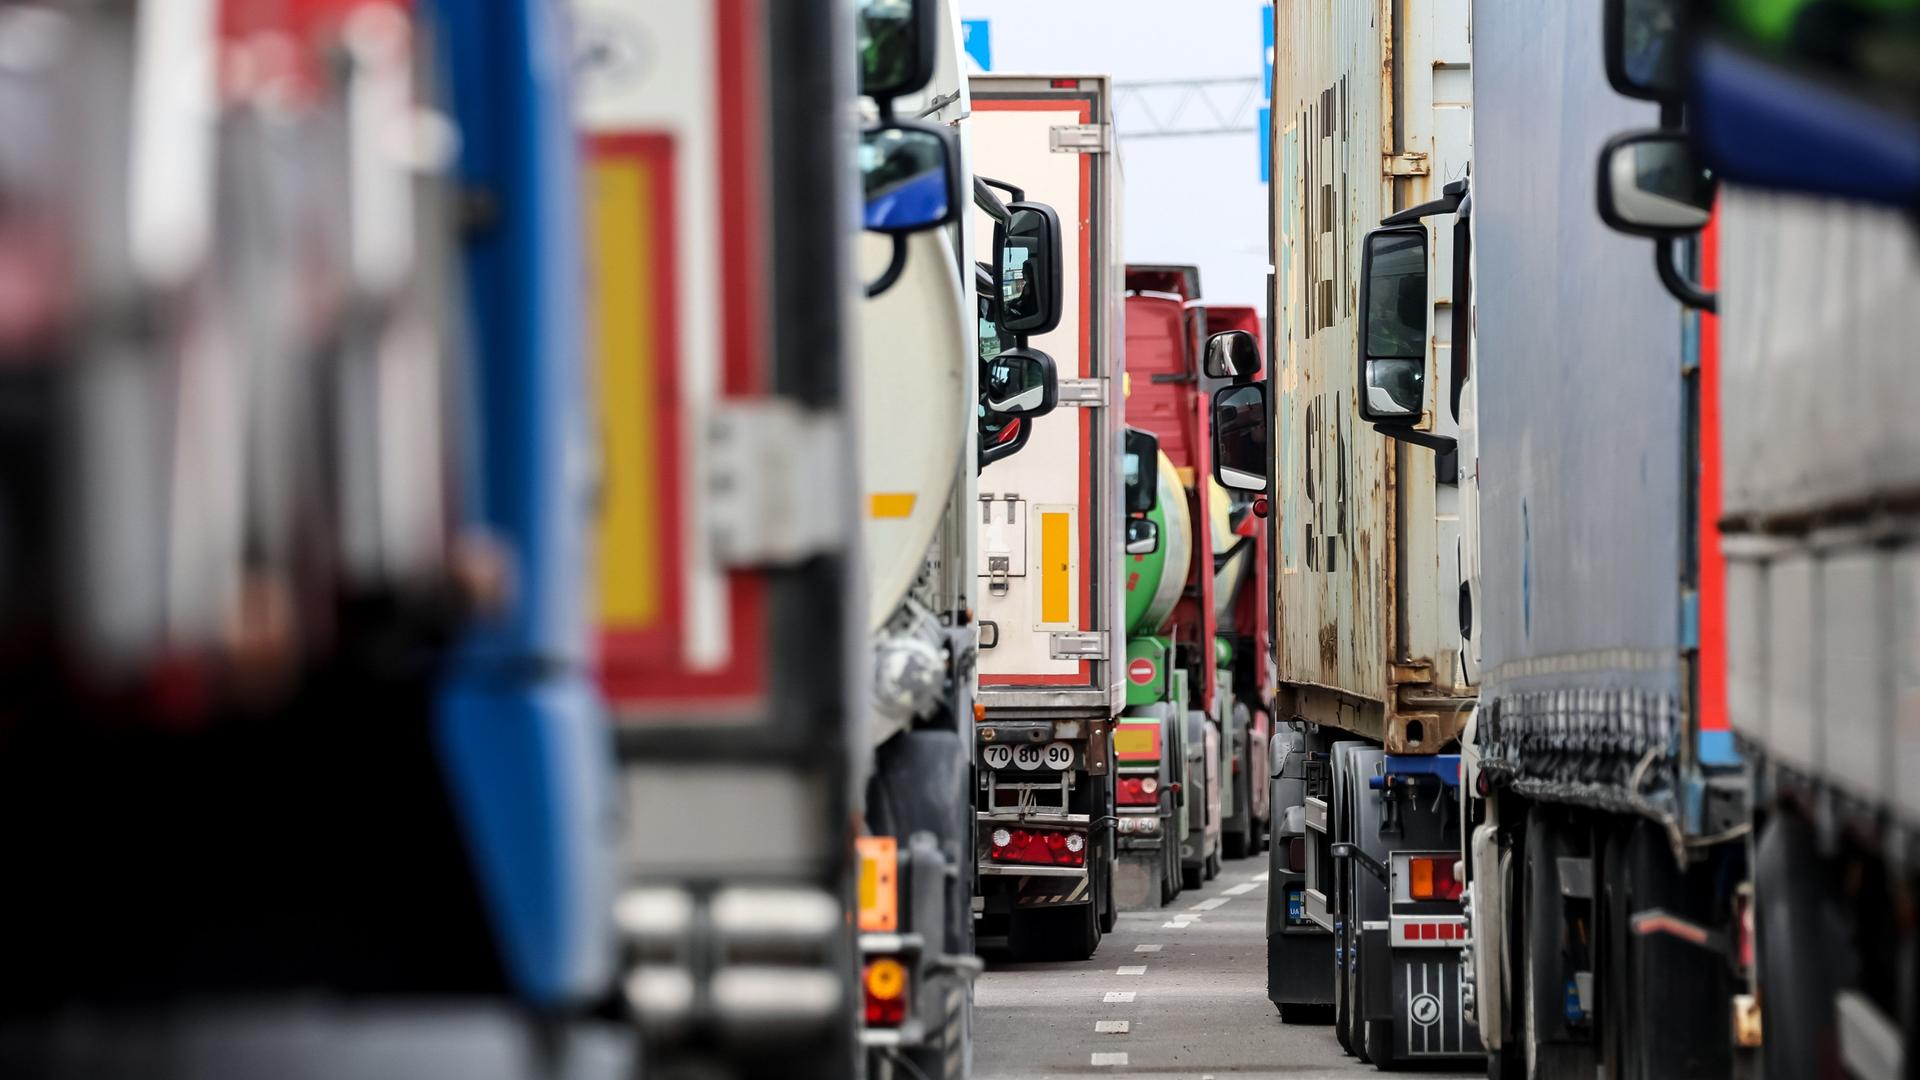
(1047, 594)
(1192, 727)
(1606, 798)
(1370, 125)
(963, 393)
(293, 469)
(733, 646)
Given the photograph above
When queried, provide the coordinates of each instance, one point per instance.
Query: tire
(1509, 1062)
(1109, 910)
(1169, 870)
(1213, 867)
(1356, 1032)
(1234, 845)
(1380, 1045)
(948, 1051)
(1795, 970)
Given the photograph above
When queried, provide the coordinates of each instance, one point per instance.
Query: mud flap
(1426, 1016)
(1043, 892)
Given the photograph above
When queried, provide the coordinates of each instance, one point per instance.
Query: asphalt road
(1179, 992)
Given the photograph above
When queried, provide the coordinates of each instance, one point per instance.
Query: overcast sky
(1189, 199)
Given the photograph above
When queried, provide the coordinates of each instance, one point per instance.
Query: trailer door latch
(774, 482)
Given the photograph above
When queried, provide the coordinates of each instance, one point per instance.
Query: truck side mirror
(1143, 536)
(910, 176)
(1026, 251)
(1393, 325)
(1142, 470)
(896, 42)
(1651, 184)
(1240, 460)
(1020, 382)
(1232, 354)
(1645, 48)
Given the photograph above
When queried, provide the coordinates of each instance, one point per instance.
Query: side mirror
(1393, 325)
(1142, 470)
(897, 40)
(910, 175)
(1143, 537)
(1652, 184)
(1027, 252)
(1240, 459)
(1020, 382)
(1645, 47)
(1002, 436)
(1232, 354)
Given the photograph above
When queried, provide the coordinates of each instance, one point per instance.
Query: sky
(1189, 199)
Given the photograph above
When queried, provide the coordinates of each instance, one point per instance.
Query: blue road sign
(977, 40)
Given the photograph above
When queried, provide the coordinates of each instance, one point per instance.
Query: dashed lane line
(1208, 905)
(1131, 969)
(1242, 889)
(1119, 997)
(1110, 1058)
(1148, 948)
(1112, 1027)
(1262, 875)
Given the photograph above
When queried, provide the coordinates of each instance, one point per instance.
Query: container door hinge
(775, 482)
(1404, 164)
(1078, 645)
(1081, 138)
(1086, 393)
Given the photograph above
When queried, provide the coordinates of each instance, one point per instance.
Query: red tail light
(1041, 847)
(885, 984)
(1431, 877)
(1297, 855)
(1138, 791)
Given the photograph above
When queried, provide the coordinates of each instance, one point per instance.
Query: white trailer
(1048, 592)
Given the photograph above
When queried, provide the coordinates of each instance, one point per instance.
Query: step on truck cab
(1046, 566)
(1369, 562)
(732, 638)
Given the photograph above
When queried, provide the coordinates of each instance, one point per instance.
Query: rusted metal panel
(1369, 116)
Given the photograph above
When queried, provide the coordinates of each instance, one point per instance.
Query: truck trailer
(1048, 592)
(1370, 124)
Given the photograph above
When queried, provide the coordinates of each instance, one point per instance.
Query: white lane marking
(1119, 997)
(1131, 969)
(1112, 1027)
(1262, 875)
(1180, 922)
(1148, 948)
(1208, 905)
(1110, 1059)
(1242, 890)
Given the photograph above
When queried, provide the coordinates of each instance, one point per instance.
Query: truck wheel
(1213, 866)
(1234, 845)
(1380, 1045)
(1356, 1040)
(1169, 869)
(1063, 933)
(1109, 911)
(947, 1052)
(1193, 877)
(1796, 967)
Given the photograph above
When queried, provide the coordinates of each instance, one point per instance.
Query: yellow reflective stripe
(1056, 591)
(622, 194)
(890, 504)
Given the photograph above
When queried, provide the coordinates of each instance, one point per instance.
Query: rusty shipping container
(1371, 115)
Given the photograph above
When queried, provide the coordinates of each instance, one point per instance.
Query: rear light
(1743, 927)
(1297, 855)
(1431, 877)
(1041, 847)
(1138, 791)
(885, 983)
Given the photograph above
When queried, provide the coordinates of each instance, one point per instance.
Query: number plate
(1029, 757)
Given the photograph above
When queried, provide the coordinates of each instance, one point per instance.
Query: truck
(1811, 259)
(1371, 124)
(1048, 592)
(1606, 797)
(732, 629)
(271, 493)
(1189, 728)
(946, 390)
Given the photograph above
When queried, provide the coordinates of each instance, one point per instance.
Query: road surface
(1175, 993)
